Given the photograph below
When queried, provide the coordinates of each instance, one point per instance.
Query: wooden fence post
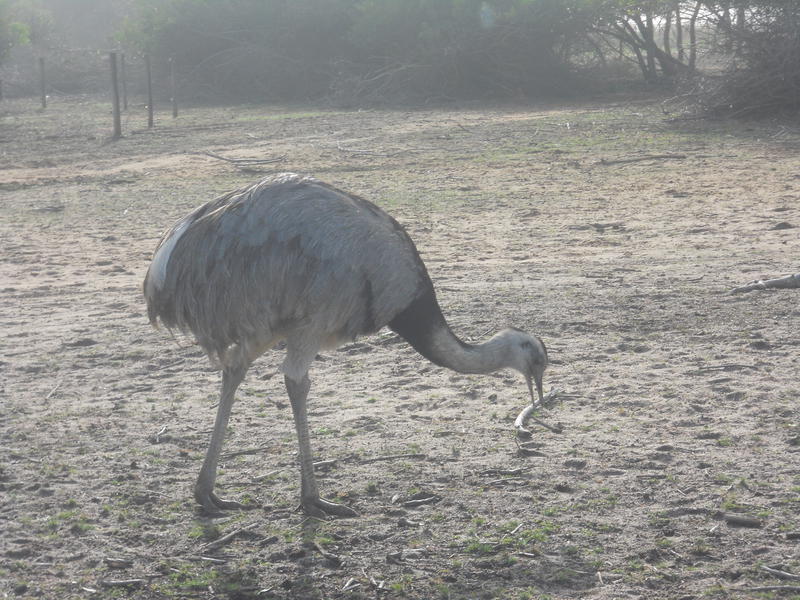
(124, 82)
(173, 91)
(42, 82)
(115, 95)
(150, 122)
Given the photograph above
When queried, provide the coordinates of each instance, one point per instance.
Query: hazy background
(735, 57)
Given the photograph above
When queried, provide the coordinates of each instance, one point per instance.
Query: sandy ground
(605, 229)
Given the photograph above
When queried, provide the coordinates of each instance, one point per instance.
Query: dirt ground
(604, 228)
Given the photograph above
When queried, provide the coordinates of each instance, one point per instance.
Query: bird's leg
(309, 494)
(204, 488)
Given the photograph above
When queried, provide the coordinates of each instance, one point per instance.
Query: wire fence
(131, 81)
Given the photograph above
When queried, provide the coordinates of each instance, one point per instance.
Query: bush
(763, 76)
(362, 50)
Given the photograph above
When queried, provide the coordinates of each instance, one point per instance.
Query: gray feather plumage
(286, 256)
(291, 258)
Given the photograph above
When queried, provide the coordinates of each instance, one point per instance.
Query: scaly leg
(309, 494)
(204, 488)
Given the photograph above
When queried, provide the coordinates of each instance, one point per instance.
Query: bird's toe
(213, 505)
(319, 507)
(226, 504)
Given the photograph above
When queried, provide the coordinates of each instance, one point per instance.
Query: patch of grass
(81, 525)
(659, 521)
(205, 531)
(401, 585)
(325, 540)
(442, 591)
(74, 521)
(325, 430)
(508, 527)
(700, 548)
(186, 578)
(716, 590)
(480, 548)
(531, 593)
(552, 511)
(730, 503)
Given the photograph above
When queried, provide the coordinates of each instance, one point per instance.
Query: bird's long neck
(423, 326)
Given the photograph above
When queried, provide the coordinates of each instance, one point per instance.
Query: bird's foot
(320, 508)
(213, 505)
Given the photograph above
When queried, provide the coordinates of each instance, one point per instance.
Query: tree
(362, 50)
(12, 33)
(761, 41)
(637, 24)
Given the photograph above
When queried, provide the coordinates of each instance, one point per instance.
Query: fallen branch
(421, 501)
(507, 480)
(392, 457)
(229, 455)
(226, 538)
(729, 367)
(172, 364)
(779, 574)
(54, 390)
(530, 449)
(211, 559)
(351, 584)
(267, 475)
(246, 162)
(118, 563)
(510, 472)
(121, 583)
(341, 148)
(742, 520)
(623, 161)
(783, 283)
(157, 437)
(329, 556)
(767, 588)
(527, 414)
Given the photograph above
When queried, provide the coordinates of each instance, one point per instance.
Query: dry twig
(157, 437)
(333, 558)
(227, 538)
(392, 457)
(623, 161)
(767, 588)
(246, 162)
(527, 414)
(54, 390)
(229, 455)
(783, 283)
(779, 574)
(121, 583)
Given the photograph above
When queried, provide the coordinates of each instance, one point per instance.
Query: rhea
(292, 259)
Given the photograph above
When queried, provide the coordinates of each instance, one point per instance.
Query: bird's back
(286, 256)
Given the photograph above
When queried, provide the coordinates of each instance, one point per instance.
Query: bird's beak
(529, 380)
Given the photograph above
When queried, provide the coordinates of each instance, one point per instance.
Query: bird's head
(528, 355)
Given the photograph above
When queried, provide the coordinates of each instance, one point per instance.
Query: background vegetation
(732, 56)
